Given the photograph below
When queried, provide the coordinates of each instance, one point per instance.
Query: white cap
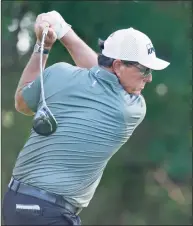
(133, 45)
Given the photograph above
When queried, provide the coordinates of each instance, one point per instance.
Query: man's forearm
(32, 69)
(81, 53)
(30, 73)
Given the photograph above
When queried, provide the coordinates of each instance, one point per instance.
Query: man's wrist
(37, 49)
(68, 38)
(45, 45)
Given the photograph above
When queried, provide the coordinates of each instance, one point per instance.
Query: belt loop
(14, 185)
(11, 183)
(17, 186)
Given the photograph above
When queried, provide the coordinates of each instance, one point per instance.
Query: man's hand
(81, 53)
(50, 37)
(55, 21)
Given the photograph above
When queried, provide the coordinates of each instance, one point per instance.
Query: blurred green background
(149, 180)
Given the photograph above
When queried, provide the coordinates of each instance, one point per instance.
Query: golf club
(44, 122)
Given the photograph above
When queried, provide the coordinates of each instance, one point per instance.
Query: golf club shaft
(44, 33)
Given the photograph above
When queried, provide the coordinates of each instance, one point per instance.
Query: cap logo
(150, 48)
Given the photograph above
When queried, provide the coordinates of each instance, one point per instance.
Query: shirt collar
(105, 75)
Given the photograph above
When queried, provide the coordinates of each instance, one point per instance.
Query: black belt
(25, 189)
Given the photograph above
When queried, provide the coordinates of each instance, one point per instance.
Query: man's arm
(32, 69)
(81, 53)
(29, 74)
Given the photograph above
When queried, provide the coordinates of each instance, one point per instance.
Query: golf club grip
(45, 31)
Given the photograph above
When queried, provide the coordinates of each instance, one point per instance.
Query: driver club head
(44, 123)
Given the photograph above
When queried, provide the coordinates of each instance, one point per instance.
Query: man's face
(131, 77)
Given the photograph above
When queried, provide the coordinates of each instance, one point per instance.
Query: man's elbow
(23, 110)
(17, 106)
(21, 106)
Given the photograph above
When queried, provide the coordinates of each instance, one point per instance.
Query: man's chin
(134, 92)
(137, 92)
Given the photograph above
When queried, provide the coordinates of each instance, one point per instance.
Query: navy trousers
(20, 209)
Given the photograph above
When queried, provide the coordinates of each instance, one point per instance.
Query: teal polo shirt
(95, 116)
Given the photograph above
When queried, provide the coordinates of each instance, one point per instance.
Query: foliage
(148, 180)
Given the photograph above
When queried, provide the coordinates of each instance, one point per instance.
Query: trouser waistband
(25, 189)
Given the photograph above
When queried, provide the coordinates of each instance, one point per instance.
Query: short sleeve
(32, 91)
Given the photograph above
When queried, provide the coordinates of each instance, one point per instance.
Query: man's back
(95, 118)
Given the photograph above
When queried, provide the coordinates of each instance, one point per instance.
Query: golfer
(97, 104)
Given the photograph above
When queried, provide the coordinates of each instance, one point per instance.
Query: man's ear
(117, 67)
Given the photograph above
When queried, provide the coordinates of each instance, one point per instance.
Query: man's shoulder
(63, 69)
(63, 66)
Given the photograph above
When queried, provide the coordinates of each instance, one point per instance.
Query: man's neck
(108, 69)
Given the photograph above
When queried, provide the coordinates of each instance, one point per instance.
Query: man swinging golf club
(85, 114)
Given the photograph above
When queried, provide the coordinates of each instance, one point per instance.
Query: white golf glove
(56, 21)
